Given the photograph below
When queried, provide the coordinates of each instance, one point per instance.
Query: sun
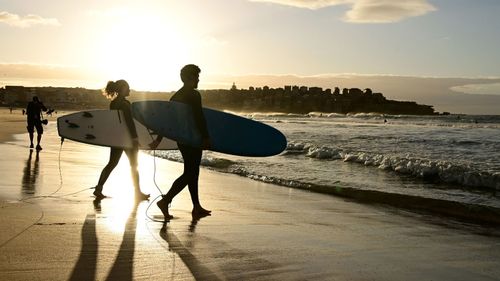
(147, 51)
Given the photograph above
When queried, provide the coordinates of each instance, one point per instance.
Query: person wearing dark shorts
(34, 120)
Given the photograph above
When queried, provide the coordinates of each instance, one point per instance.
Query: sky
(447, 48)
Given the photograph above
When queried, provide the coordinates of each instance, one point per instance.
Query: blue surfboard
(229, 133)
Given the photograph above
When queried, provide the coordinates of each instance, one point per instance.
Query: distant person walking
(117, 91)
(34, 120)
(191, 155)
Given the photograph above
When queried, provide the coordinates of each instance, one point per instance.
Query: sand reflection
(30, 173)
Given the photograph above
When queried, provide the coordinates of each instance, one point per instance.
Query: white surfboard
(106, 128)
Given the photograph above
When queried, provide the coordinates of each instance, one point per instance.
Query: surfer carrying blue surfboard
(188, 94)
(117, 91)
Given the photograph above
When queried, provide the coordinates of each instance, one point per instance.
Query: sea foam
(427, 169)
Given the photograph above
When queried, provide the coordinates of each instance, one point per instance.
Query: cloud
(366, 11)
(307, 4)
(479, 89)
(386, 11)
(30, 74)
(26, 21)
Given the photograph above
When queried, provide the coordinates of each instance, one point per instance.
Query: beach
(53, 229)
(11, 123)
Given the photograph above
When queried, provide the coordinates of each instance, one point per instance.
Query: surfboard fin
(72, 125)
(87, 114)
(89, 137)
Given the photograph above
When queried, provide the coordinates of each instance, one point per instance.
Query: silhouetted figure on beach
(191, 155)
(117, 91)
(34, 119)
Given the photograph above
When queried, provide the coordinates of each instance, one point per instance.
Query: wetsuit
(120, 103)
(193, 98)
(190, 155)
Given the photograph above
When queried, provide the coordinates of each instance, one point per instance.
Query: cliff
(303, 100)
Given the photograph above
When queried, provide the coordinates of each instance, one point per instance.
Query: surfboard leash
(51, 195)
(155, 183)
(42, 213)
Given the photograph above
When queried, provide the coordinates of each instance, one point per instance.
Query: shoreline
(257, 231)
(466, 212)
(13, 124)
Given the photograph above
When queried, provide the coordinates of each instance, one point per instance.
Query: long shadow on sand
(122, 269)
(197, 269)
(232, 263)
(85, 268)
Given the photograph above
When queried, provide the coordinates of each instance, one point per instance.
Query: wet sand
(11, 123)
(52, 229)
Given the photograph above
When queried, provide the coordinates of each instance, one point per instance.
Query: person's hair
(113, 88)
(35, 98)
(189, 71)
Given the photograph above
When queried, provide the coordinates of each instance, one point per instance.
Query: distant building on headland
(289, 99)
(62, 97)
(302, 100)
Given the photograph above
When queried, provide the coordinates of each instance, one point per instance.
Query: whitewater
(452, 158)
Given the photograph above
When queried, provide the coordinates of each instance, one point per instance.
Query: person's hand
(154, 144)
(206, 143)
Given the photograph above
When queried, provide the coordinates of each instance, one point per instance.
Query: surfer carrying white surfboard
(117, 91)
(188, 94)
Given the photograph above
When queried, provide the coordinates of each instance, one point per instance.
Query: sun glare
(147, 51)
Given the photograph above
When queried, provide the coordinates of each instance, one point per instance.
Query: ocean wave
(467, 210)
(325, 114)
(466, 142)
(259, 115)
(463, 207)
(367, 115)
(466, 122)
(435, 170)
(207, 161)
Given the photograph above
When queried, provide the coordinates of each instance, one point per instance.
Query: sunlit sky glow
(86, 43)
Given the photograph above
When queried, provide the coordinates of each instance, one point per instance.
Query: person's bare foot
(200, 212)
(141, 196)
(98, 193)
(163, 205)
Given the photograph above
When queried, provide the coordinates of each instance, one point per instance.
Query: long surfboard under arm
(228, 133)
(106, 128)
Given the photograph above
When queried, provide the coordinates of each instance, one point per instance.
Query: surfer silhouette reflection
(30, 174)
(188, 94)
(117, 91)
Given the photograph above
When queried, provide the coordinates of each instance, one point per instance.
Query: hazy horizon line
(85, 70)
